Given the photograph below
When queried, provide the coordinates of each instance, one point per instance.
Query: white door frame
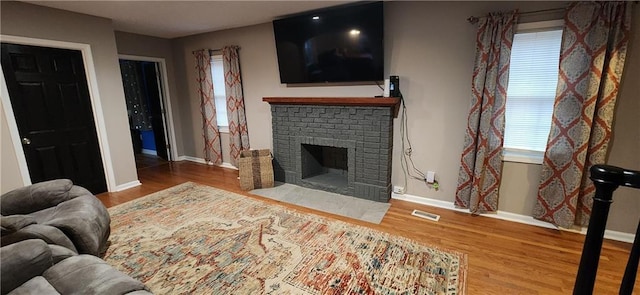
(94, 94)
(166, 99)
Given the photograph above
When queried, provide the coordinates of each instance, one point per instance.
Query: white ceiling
(172, 19)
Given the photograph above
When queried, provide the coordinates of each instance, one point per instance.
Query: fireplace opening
(325, 165)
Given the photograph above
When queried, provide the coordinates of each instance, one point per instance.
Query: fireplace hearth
(340, 145)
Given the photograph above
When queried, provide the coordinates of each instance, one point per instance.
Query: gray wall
(431, 47)
(141, 45)
(21, 19)
(428, 44)
(625, 146)
(10, 178)
(146, 46)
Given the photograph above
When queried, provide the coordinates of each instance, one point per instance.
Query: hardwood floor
(504, 257)
(146, 161)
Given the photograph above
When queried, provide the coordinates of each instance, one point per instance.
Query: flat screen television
(343, 44)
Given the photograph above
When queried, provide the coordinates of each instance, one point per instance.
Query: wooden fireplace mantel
(393, 102)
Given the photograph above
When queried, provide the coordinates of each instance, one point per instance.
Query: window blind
(533, 77)
(219, 94)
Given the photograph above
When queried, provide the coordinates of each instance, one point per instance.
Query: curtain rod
(475, 19)
(210, 50)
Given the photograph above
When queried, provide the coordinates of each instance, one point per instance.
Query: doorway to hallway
(146, 109)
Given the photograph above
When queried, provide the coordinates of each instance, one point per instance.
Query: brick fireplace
(340, 144)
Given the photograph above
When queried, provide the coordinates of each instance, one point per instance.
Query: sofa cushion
(59, 253)
(33, 267)
(72, 209)
(13, 223)
(35, 197)
(30, 257)
(37, 285)
(84, 220)
(49, 234)
(86, 274)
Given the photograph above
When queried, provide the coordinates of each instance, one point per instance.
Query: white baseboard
(618, 236)
(192, 159)
(202, 161)
(608, 234)
(128, 185)
(150, 152)
(227, 165)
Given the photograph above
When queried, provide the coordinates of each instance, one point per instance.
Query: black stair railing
(606, 180)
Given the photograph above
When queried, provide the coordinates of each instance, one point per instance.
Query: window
(219, 95)
(533, 77)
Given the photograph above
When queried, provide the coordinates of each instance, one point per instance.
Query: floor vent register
(426, 215)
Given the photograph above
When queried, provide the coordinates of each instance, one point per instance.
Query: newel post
(606, 180)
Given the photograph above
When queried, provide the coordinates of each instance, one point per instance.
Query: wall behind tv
(431, 47)
(260, 78)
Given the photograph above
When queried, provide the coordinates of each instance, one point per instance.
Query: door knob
(26, 141)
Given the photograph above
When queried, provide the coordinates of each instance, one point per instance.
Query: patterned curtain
(212, 147)
(594, 46)
(481, 161)
(238, 133)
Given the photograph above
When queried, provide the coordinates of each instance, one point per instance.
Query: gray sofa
(34, 267)
(43, 228)
(57, 212)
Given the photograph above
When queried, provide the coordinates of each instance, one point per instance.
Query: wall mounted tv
(343, 44)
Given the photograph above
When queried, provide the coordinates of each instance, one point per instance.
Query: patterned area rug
(195, 239)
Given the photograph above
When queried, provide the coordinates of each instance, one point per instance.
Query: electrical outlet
(398, 189)
(431, 176)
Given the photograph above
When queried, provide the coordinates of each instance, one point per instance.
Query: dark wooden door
(155, 107)
(51, 103)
